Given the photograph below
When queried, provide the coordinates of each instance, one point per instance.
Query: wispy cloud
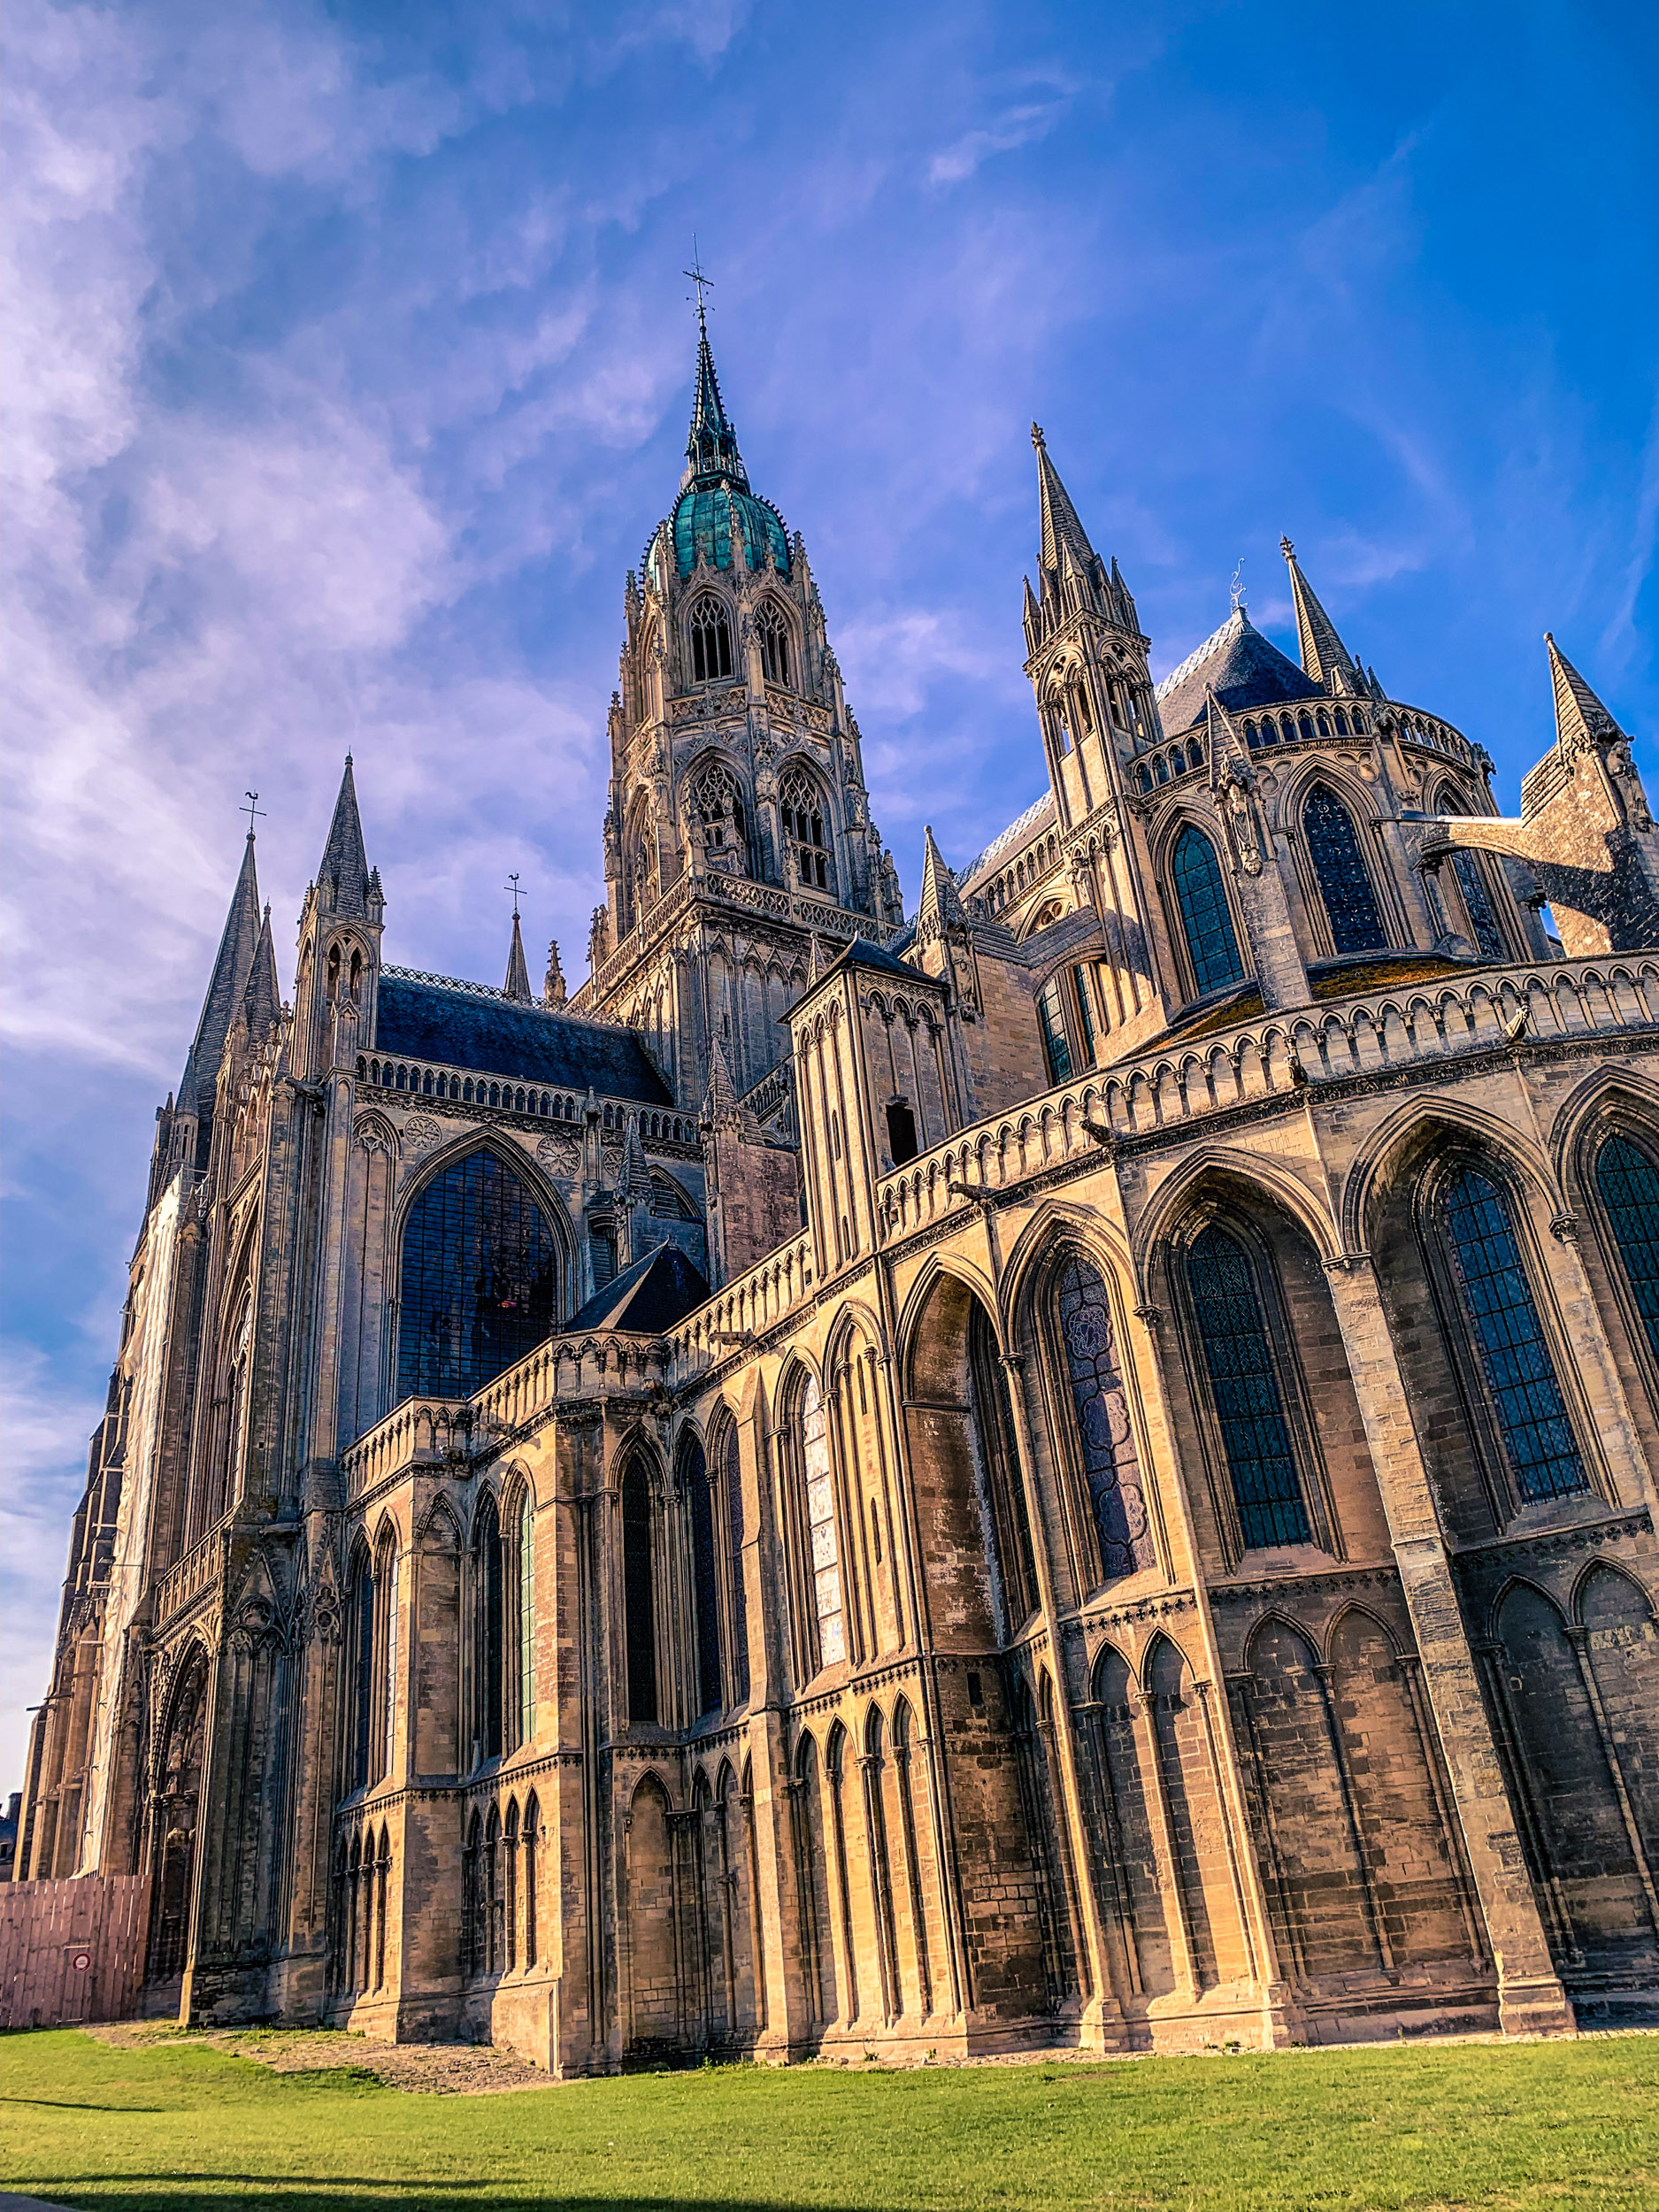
(1021, 124)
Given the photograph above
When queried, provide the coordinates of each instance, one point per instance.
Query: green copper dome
(715, 487)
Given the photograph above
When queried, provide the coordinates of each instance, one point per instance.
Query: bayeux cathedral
(1073, 1468)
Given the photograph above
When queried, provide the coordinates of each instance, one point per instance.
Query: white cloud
(1019, 125)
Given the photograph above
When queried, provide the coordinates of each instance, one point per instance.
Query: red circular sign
(81, 1960)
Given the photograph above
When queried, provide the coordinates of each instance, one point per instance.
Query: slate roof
(1036, 816)
(466, 1026)
(1243, 668)
(645, 1299)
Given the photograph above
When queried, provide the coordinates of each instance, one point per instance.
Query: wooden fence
(72, 1951)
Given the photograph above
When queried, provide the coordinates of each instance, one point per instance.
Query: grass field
(1573, 2127)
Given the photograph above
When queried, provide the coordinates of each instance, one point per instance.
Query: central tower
(738, 830)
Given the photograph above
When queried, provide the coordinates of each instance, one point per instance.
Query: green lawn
(1573, 2127)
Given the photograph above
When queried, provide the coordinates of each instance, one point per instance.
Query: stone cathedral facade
(1075, 1468)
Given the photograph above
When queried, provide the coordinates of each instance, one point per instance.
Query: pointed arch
(1352, 913)
(1203, 912)
(639, 1588)
(488, 1638)
(807, 823)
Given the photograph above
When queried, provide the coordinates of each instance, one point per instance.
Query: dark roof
(461, 1028)
(1242, 667)
(645, 1299)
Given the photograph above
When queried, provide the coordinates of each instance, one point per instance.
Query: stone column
(1530, 1999)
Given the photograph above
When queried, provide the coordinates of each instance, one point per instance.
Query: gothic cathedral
(1074, 1469)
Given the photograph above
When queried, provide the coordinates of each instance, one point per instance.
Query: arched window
(1009, 1522)
(1106, 1438)
(731, 1483)
(1472, 885)
(362, 1675)
(638, 1592)
(386, 1645)
(487, 1640)
(1350, 904)
(235, 1413)
(806, 832)
(1205, 920)
(718, 816)
(822, 1544)
(478, 1280)
(1056, 1050)
(1629, 1184)
(1249, 1410)
(773, 626)
(1503, 1321)
(710, 642)
(705, 1585)
(523, 1607)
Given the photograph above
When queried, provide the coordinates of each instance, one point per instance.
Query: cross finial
(512, 885)
(1238, 585)
(703, 283)
(1036, 436)
(252, 808)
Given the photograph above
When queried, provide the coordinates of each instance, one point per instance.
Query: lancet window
(710, 641)
(638, 1590)
(477, 1280)
(806, 832)
(1206, 920)
(705, 1582)
(1509, 1338)
(1350, 904)
(732, 1483)
(822, 1542)
(718, 814)
(1244, 1385)
(524, 1596)
(1105, 1433)
(773, 626)
(1628, 1181)
(487, 1637)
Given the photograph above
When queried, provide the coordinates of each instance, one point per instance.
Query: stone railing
(1276, 1055)
(774, 1096)
(420, 1432)
(190, 1576)
(743, 1308)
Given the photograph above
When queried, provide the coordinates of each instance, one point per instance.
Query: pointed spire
(262, 1001)
(1324, 658)
(712, 442)
(940, 904)
(1581, 720)
(720, 1099)
(518, 984)
(231, 967)
(1063, 535)
(634, 1181)
(815, 963)
(344, 874)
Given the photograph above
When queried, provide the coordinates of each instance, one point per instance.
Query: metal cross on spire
(252, 808)
(703, 283)
(512, 885)
(1238, 585)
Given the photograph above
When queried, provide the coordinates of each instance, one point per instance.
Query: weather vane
(512, 885)
(1238, 585)
(703, 283)
(252, 808)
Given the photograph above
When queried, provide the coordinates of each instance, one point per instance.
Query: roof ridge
(1236, 621)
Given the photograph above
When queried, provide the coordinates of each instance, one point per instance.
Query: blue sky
(349, 367)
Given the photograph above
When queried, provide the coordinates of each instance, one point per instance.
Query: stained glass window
(1350, 904)
(1211, 943)
(1255, 1436)
(1478, 905)
(1051, 1021)
(1629, 1184)
(526, 1618)
(478, 1280)
(731, 1483)
(638, 1592)
(820, 1516)
(1526, 1396)
(1111, 1467)
(704, 1581)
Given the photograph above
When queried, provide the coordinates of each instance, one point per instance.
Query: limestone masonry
(1074, 1470)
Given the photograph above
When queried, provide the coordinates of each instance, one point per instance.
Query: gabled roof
(1243, 669)
(1036, 816)
(645, 1299)
(459, 1026)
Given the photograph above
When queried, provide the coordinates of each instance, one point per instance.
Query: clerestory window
(478, 1280)
(1249, 1410)
(1350, 904)
(1629, 1183)
(1206, 919)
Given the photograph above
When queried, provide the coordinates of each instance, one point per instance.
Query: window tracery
(719, 816)
(1206, 920)
(773, 626)
(710, 641)
(1509, 1338)
(478, 1280)
(1106, 1441)
(806, 832)
(1350, 904)
(1628, 1182)
(1249, 1410)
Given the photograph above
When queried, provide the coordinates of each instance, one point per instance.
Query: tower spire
(344, 874)
(1063, 535)
(1324, 658)
(518, 984)
(711, 442)
(1581, 720)
(262, 1001)
(232, 964)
